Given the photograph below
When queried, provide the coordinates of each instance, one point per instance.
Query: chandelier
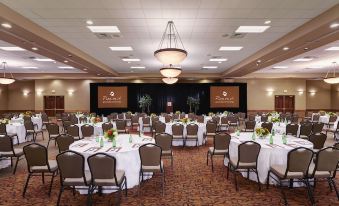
(4, 79)
(332, 79)
(170, 72)
(169, 80)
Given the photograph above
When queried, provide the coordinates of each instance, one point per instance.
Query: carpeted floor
(190, 182)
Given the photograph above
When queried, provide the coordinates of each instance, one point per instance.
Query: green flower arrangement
(225, 113)
(331, 113)
(275, 119)
(4, 121)
(185, 120)
(210, 114)
(28, 113)
(262, 132)
(111, 134)
(153, 115)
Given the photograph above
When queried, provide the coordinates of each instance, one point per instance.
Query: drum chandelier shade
(171, 49)
(4, 79)
(170, 72)
(169, 80)
(333, 79)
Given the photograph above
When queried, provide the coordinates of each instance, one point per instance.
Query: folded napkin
(146, 139)
(92, 149)
(136, 145)
(80, 145)
(114, 149)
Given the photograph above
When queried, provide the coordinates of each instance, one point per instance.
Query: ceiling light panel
(104, 29)
(251, 29)
(12, 48)
(230, 48)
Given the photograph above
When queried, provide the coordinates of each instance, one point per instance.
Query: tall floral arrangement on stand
(193, 103)
(145, 103)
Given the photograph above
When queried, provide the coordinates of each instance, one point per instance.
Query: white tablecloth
(97, 128)
(127, 157)
(35, 120)
(201, 131)
(268, 156)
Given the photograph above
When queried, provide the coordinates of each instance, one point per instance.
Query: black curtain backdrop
(163, 93)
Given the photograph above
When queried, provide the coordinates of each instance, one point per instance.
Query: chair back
(333, 119)
(71, 165)
(216, 119)
(66, 124)
(222, 141)
(121, 125)
(82, 119)
(164, 140)
(3, 129)
(305, 129)
(146, 120)
(292, 129)
(211, 127)
(121, 116)
(318, 140)
(150, 154)
(250, 125)
(192, 129)
(73, 119)
(267, 125)
(128, 116)
(73, 130)
(298, 160)
(200, 119)
(168, 118)
(6, 144)
(160, 127)
(114, 116)
(327, 160)
(87, 130)
(53, 129)
(264, 118)
(154, 119)
(317, 127)
(233, 119)
(177, 129)
(27, 118)
(316, 118)
(248, 152)
(64, 141)
(44, 117)
(251, 117)
(135, 119)
(102, 167)
(36, 155)
(29, 125)
(106, 126)
(295, 119)
(224, 120)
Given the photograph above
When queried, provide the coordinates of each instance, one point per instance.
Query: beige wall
(3, 97)
(335, 97)
(21, 95)
(318, 95)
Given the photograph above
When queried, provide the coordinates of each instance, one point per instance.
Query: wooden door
(54, 105)
(284, 103)
(59, 104)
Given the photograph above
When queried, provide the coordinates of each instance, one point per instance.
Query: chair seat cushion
(192, 136)
(52, 165)
(30, 131)
(318, 174)
(155, 168)
(210, 134)
(279, 170)
(242, 165)
(177, 137)
(217, 152)
(78, 181)
(111, 182)
(53, 135)
(166, 153)
(17, 153)
(146, 125)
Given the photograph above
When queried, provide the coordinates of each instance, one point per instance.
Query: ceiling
(202, 25)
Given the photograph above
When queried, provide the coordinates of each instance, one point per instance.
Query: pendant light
(4, 79)
(332, 79)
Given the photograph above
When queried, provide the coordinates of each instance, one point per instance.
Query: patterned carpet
(190, 182)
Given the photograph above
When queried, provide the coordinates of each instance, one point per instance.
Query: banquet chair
(3, 131)
(87, 130)
(106, 126)
(64, 141)
(233, 121)
(217, 120)
(288, 118)
(176, 116)
(121, 116)
(110, 118)
(308, 116)
(53, 132)
(318, 141)
(305, 130)
(251, 117)
(121, 126)
(114, 116)
(65, 125)
(317, 127)
(220, 147)
(30, 130)
(298, 162)
(211, 129)
(168, 118)
(264, 118)
(295, 119)
(159, 127)
(249, 126)
(334, 130)
(135, 122)
(45, 119)
(72, 172)
(154, 119)
(315, 118)
(146, 123)
(105, 175)
(128, 118)
(223, 123)
(164, 140)
(8, 151)
(73, 130)
(192, 133)
(292, 129)
(267, 125)
(150, 156)
(73, 119)
(241, 117)
(178, 132)
(325, 167)
(82, 119)
(282, 117)
(191, 115)
(200, 119)
(38, 163)
(332, 121)
(247, 160)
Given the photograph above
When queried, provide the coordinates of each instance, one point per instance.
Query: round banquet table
(35, 120)
(278, 127)
(126, 154)
(97, 128)
(275, 154)
(201, 131)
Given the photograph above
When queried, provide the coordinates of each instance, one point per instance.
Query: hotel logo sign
(112, 97)
(224, 96)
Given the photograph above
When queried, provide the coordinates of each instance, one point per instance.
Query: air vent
(237, 35)
(107, 35)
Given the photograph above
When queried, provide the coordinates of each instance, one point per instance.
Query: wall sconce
(25, 92)
(285, 91)
(53, 91)
(300, 92)
(39, 92)
(312, 93)
(70, 92)
(270, 92)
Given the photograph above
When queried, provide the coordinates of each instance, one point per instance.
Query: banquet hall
(181, 102)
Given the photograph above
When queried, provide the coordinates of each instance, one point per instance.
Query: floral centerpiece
(210, 114)
(275, 119)
(153, 115)
(28, 113)
(4, 121)
(111, 134)
(331, 114)
(262, 132)
(322, 112)
(95, 120)
(225, 113)
(185, 120)
(129, 112)
(177, 112)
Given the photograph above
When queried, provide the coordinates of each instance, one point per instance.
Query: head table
(270, 154)
(125, 152)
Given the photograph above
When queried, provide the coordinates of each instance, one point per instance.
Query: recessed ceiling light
(6, 25)
(121, 48)
(306, 48)
(65, 67)
(65, 61)
(303, 59)
(12, 48)
(104, 29)
(334, 25)
(258, 61)
(43, 60)
(333, 48)
(251, 29)
(85, 69)
(89, 22)
(98, 74)
(130, 60)
(280, 67)
(218, 60)
(315, 67)
(34, 48)
(210, 67)
(230, 48)
(29, 67)
(137, 67)
(286, 48)
(267, 22)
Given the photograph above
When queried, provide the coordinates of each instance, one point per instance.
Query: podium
(169, 107)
